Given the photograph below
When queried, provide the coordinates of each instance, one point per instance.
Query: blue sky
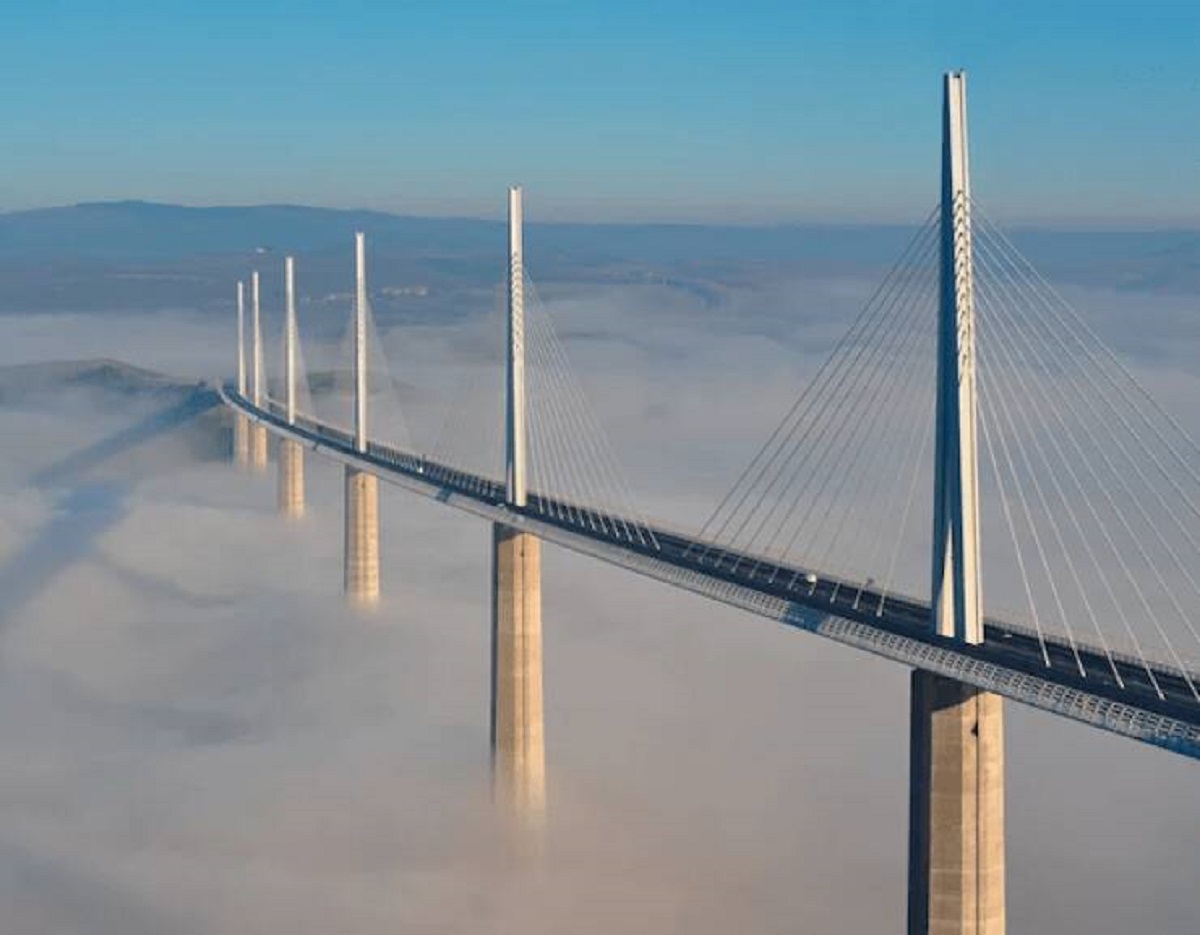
(746, 111)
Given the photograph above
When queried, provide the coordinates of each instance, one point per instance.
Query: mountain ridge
(109, 254)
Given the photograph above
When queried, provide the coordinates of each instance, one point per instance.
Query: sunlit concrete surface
(291, 478)
(956, 859)
(361, 580)
(518, 745)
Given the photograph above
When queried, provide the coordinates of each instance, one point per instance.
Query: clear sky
(634, 109)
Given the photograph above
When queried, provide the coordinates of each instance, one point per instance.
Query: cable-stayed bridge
(1145, 700)
(967, 392)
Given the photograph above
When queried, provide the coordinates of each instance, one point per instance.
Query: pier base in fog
(518, 750)
(361, 549)
(956, 812)
(258, 447)
(291, 478)
(241, 440)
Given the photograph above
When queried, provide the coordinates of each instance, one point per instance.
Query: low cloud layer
(200, 738)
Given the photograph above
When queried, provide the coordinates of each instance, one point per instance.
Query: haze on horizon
(756, 112)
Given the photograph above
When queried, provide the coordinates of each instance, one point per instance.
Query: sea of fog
(199, 737)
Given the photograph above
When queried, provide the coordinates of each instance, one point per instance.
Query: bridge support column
(956, 815)
(518, 749)
(291, 478)
(361, 580)
(241, 440)
(258, 447)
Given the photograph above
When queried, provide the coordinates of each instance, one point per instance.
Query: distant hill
(21, 382)
(148, 230)
(135, 254)
(148, 407)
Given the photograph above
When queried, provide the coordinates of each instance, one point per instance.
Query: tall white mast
(515, 410)
(241, 338)
(257, 338)
(360, 342)
(955, 595)
(289, 338)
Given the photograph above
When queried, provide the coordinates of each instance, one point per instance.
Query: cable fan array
(573, 468)
(1097, 485)
(333, 405)
(573, 473)
(276, 389)
(1089, 490)
(471, 437)
(835, 486)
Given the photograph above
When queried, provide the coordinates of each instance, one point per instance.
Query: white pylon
(514, 452)
(955, 594)
(256, 337)
(289, 339)
(241, 338)
(360, 342)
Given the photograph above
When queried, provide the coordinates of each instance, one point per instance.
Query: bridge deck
(1152, 704)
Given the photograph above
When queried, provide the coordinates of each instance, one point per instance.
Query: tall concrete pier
(291, 478)
(361, 578)
(956, 814)
(518, 746)
(241, 425)
(361, 551)
(258, 433)
(956, 835)
(291, 454)
(517, 732)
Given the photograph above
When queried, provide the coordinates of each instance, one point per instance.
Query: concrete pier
(291, 478)
(362, 538)
(956, 814)
(258, 446)
(518, 748)
(241, 440)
